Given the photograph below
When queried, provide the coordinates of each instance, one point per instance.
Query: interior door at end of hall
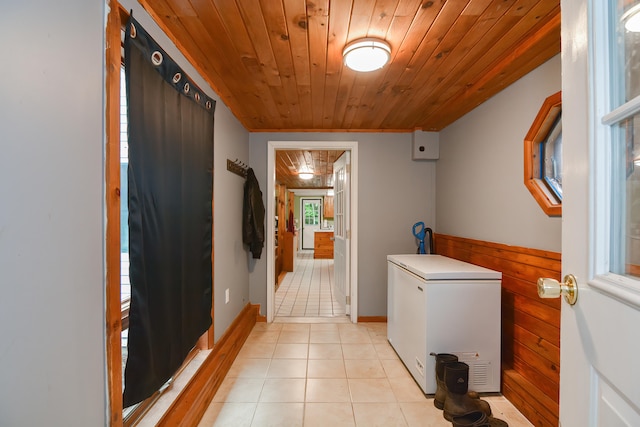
(341, 228)
(599, 374)
(311, 215)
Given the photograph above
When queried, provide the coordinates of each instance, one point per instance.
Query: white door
(311, 215)
(600, 334)
(341, 230)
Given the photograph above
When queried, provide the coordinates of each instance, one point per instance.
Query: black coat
(253, 215)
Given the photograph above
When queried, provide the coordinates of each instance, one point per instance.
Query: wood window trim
(551, 108)
(117, 311)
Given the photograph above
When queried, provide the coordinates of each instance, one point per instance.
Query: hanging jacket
(253, 215)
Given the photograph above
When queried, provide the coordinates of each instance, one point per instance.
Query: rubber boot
(458, 403)
(442, 359)
(477, 419)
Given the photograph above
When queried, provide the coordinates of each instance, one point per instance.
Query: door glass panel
(625, 236)
(339, 203)
(626, 51)
(625, 142)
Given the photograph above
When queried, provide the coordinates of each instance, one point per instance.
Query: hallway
(307, 291)
(316, 372)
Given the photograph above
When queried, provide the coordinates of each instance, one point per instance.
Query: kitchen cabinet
(328, 206)
(323, 244)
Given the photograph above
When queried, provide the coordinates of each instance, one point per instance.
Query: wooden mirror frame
(542, 125)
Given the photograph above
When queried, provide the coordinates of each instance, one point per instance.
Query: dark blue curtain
(170, 179)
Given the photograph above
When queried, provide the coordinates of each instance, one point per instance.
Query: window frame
(116, 310)
(534, 179)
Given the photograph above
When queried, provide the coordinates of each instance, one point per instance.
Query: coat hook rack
(237, 167)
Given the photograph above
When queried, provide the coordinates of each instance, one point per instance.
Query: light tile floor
(319, 372)
(307, 291)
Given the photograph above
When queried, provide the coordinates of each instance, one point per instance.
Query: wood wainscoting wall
(530, 325)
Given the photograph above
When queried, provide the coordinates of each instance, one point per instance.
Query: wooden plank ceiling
(320, 162)
(277, 64)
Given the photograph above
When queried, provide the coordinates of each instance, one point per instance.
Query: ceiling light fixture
(305, 173)
(631, 19)
(366, 54)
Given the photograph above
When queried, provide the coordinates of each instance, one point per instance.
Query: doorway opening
(272, 240)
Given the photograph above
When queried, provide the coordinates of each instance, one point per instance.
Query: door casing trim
(272, 146)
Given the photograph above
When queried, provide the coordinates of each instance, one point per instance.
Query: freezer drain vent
(479, 370)
(479, 373)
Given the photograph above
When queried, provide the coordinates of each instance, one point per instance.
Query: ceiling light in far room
(631, 19)
(305, 173)
(367, 54)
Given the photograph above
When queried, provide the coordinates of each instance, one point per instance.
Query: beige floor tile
(406, 390)
(394, 368)
(283, 390)
(324, 327)
(257, 350)
(249, 368)
(239, 390)
(423, 414)
(327, 390)
(326, 369)
(328, 414)
(228, 415)
(359, 351)
(354, 334)
(325, 351)
(385, 351)
(324, 337)
(263, 336)
(378, 415)
(291, 337)
(296, 327)
(504, 410)
(291, 351)
(278, 415)
(287, 368)
(364, 368)
(371, 390)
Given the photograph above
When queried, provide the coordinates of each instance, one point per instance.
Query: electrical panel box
(425, 145)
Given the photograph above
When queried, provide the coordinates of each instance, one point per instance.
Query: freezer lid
(438, 267)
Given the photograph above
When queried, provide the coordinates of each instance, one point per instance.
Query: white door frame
(272, 146)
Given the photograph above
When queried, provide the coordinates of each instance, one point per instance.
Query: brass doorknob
(551, 288)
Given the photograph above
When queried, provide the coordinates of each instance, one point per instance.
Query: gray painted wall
(480, 188)
(52, 361)
(394, 192)
(52, 212)
(231, 141)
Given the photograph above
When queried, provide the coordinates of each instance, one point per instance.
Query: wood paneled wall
(530, 325)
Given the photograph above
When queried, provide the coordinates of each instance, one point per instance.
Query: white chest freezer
(442, 305)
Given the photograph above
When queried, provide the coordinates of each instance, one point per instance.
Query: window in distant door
(312, 212)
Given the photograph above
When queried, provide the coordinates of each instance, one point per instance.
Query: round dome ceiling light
(631, 19)
(367, 54)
